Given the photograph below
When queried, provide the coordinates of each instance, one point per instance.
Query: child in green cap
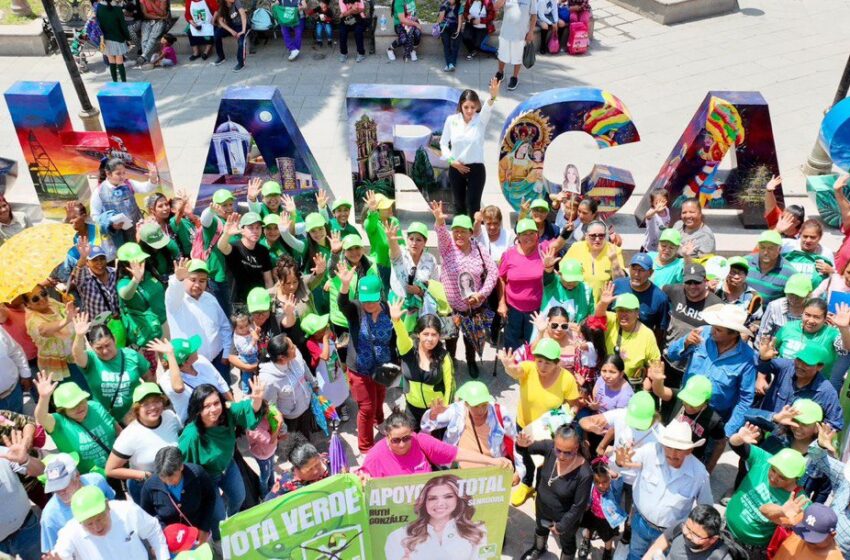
(325, 362)
(380, 215)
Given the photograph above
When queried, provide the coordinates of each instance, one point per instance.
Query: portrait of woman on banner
(443, 527)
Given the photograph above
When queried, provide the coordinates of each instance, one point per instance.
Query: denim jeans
(221, 290)
(15, 400)
(324, 30)
(292, 36)
(266, 475)
(26, 541)
(221, 33)
(643, 535)
(134, 487)
(517, 328)
(223, 370)
(233, 488)
(839, 368)
(451, 45)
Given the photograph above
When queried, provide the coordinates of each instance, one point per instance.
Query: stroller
(86, 43)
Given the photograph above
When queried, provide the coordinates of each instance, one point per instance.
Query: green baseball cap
(570, 270)
(259, 300)
(314, 220)
(697, 391)
(69, 395)
(799, 285)
(474, 393)
(341, 202)
(197, 265)
(87, 502)
(271, 220)
(351, 240)
(540, 203)
(739, 262)
(418, 227)
(131, 252)
(809, 411)
(461, 221)
(789, 462)
(152, 234)
(203, 552)
(222, 195)
(185, 347)
(369, 289)
(524, 225)
(312, 323)
(145, 389)
(640, 411)
(627, 301)
(671, 235)
(770, 236)
(271, 188)
(813, 355)
(250, 218)
(548, 348)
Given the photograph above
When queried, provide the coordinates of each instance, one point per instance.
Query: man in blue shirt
(63, 480)
(654, 303)
(718, 352)
(784, 381)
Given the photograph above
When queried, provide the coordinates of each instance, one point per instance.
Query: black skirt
(598, 526)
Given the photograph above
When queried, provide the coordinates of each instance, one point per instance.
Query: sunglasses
(595, 236)
(400, 440)
(694, 282)
(556, 326)
(563, 453)
(38, 297)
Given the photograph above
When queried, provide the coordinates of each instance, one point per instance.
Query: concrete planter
(669, 12)
(23, 40)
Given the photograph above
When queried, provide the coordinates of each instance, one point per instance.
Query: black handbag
(529, 53)
(387, 374)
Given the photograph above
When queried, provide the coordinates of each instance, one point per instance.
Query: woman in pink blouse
(468, 274)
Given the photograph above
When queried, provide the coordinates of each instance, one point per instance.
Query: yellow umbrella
(29, 257)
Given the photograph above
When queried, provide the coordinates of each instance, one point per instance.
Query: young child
(324, 17)
(604, 514)
(324, 361)
(245, 343)
(448, 19)
(166, 55)
(341, 209)
(262, 443)
(657, 218)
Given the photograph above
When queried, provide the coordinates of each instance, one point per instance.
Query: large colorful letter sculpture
(256, 135)
(535, 123)
(60, 159)
(835, 139)
(379, 151)
(726, 120)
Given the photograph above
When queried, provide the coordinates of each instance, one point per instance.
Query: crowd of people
(185, 367)
(137, 30)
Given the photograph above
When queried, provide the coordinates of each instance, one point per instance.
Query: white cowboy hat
(727, 316)
(677, 434)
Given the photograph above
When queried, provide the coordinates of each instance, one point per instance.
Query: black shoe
(584, 548)
(471, 55)
(195, 57)
(472, 368)
(627, 535)
(500, 76)
(513, 83)
(532, 553)
(204, 56)
(218, 61)
(608, 554)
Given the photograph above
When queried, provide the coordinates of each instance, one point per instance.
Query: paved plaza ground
(792, 51)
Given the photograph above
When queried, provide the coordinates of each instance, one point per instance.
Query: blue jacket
(733, 375)
(784, 391)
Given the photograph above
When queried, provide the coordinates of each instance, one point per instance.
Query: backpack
(200, 250)
(261, 19)
(579, 39)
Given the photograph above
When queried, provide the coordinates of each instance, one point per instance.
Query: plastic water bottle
(382, 22)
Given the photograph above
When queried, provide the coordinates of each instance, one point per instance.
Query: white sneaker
(294, 54)
(413, 56)
(390, 53)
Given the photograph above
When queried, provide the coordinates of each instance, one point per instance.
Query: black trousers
(472, 39)
(467, 189)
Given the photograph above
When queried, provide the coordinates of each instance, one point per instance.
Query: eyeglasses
(693, 536)
(400, 440)
(595, 236)
(38, 297)
(556, 326)
(694, 282)
(563, 453)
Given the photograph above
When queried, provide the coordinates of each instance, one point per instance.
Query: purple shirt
(425, 450)
(609, 399)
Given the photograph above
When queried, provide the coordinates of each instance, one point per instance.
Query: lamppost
(819, 162)
(90, 115)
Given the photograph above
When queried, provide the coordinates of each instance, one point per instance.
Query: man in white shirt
(108, 530)
(517, 30)
(669, 482)
(191, 310)
(18, 521)
(13, 368)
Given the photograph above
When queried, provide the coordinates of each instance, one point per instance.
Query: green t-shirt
(347, 230)
(216, 262)
(185, 232)
(214, 450)
(276, 249)
(337, 316)
(162, 260)
(578, 302)
(743, 517)
(666, 274)
(403, 7)
(69, 436)
(378, 238)
(150, 295)
(791, 338)
(804, 263)
(105, 379)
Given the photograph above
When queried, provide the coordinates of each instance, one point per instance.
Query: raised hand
(231, 225)
(437, 211)
(749, 434)
(767, 348)
(289, 303)
(285, 222)
(479, 217)
(44, 385)
(824, 268)
(82, 324)
(841, 317)
(16, 448)
(83, 248)
(320, 265)
(694, 338)
(153, 174)
(826, 436)
(655, 371)
(785, 223)
(344, 273)
(786, 416)
(793, 508)
(71, 309)
(774, 182)
(160, 346)
(591, 402)
(258, 388)
(623, 455)
(550, 257)
(607, 295)
(336, 242)
(396, 311)
(524, 208)
(540, 322)
(689, 247)
(506, 357)
(391, 229)
(438, 407)
(524, 440)
(494, 87)
(289, 204)
(254, 187)
(137, 270)
(371, 201)
(181, 268)
(321, 199)
(840, 182)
